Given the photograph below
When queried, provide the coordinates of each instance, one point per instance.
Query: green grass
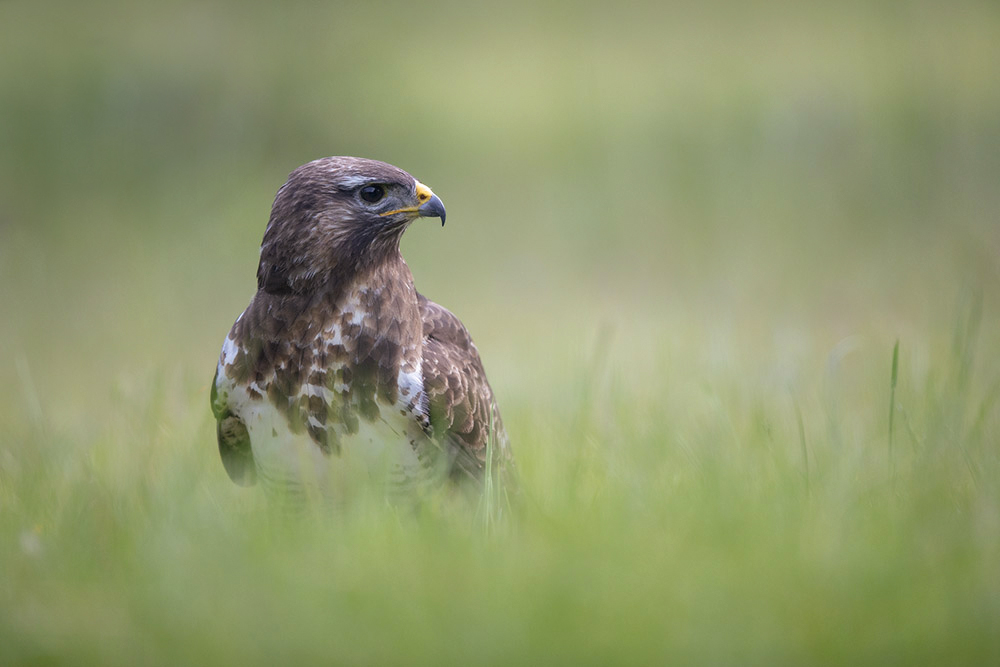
(647, 531)
(699, 250)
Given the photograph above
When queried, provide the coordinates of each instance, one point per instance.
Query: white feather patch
(229, 351)
(353, 181)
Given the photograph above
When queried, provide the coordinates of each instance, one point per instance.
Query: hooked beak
(431, 205)
(432, 208)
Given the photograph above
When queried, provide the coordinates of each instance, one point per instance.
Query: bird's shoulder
(441, 325)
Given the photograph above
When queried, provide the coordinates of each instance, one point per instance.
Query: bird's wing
(461, 406)
(234, 440)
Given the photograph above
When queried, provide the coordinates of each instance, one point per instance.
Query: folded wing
(462, 409)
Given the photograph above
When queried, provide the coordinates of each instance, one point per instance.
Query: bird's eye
(373, 193)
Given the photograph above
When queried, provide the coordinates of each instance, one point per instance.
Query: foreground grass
(658, 522)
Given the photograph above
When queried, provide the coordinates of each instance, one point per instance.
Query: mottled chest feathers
(328, 364)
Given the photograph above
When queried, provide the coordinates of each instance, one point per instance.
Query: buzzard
(339, 371)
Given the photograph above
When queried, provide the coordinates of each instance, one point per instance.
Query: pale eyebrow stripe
(351, 182)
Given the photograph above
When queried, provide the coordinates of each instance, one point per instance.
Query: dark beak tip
(434, 208)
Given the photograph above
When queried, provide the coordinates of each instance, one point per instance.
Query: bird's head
(335, 216)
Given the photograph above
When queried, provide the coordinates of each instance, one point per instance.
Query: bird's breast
(340, 446)
(337, 394)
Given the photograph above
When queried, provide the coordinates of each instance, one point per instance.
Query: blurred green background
(685, 237)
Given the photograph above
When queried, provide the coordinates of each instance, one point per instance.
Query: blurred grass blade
(802, 444)
(892, 396)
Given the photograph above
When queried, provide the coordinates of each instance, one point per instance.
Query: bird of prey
(339, 370)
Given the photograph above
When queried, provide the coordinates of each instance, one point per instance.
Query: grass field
(686, 240)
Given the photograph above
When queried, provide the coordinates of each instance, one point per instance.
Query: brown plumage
(338, 358)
